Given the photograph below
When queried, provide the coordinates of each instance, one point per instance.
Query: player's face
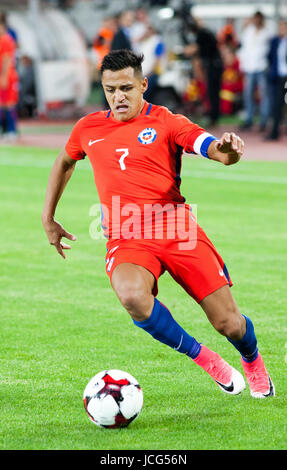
(282, 29)
(124, 92)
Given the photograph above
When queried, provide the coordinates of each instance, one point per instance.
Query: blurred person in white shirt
(255, 42)
(155, 58)
(140, 26)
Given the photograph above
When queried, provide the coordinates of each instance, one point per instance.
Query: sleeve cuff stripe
(202, 143)
(205, 145)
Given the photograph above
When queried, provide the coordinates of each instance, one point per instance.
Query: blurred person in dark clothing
(27, 87)
(122, 39)
(277, 58)
(206, 47)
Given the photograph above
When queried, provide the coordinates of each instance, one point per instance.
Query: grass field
(61, 322)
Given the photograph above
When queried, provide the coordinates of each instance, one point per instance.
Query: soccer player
(8, 82)
(135, 149)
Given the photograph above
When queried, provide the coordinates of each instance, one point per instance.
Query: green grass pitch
(61, 322)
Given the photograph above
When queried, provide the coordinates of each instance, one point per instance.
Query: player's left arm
(227, 150)
(6, 64)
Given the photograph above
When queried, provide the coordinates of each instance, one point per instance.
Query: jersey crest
(147, 136)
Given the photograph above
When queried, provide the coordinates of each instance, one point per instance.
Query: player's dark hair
(259, 14)
(121, 59)
(3, 18)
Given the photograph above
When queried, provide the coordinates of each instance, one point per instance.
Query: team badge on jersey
(147, 136)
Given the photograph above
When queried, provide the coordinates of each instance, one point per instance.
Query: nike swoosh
(227, 388)
(94, 141)
(271, 389)
(176, 349)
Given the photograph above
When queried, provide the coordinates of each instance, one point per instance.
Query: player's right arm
(59, 176)
(194, 139)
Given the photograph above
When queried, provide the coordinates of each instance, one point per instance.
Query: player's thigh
(133, 285)
(132, 275)
(199, 269)
(223, 313)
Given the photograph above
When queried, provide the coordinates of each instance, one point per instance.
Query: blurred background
(212, 61)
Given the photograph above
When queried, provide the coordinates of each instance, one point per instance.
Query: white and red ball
(113, 399)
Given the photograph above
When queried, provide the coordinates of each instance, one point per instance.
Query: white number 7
(123, 156)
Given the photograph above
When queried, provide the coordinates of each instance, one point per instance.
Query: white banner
(64, 80)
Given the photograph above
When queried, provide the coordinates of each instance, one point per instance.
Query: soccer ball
(113, 399)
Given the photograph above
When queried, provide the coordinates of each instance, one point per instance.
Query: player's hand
(232, 145)
(55, 232)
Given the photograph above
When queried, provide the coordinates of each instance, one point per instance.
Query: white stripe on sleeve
(199, 141)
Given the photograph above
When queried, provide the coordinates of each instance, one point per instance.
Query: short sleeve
(191, 137)
(73, 146)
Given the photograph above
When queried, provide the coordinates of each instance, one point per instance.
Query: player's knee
(133, 297)
(230, 326)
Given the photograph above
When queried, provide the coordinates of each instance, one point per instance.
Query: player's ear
(144, 84)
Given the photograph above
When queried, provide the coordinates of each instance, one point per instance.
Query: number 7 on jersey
(125, 153)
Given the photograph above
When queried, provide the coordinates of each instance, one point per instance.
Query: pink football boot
(259, 381)
(226, 377)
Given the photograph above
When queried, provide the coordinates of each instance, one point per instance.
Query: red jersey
(137, 162)
(9, 94)
(8, 48)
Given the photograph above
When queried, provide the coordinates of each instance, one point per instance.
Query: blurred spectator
(227, 35)
(154, 51)
(8, 83)
(206, 48)
(122, 39)
(140, 26)
(11, 31)
(27, 90)
(103, 40)
(255, 40)
(66, 3)
(232, 82)
(196, 92)
(278, 77)
(158, 2)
